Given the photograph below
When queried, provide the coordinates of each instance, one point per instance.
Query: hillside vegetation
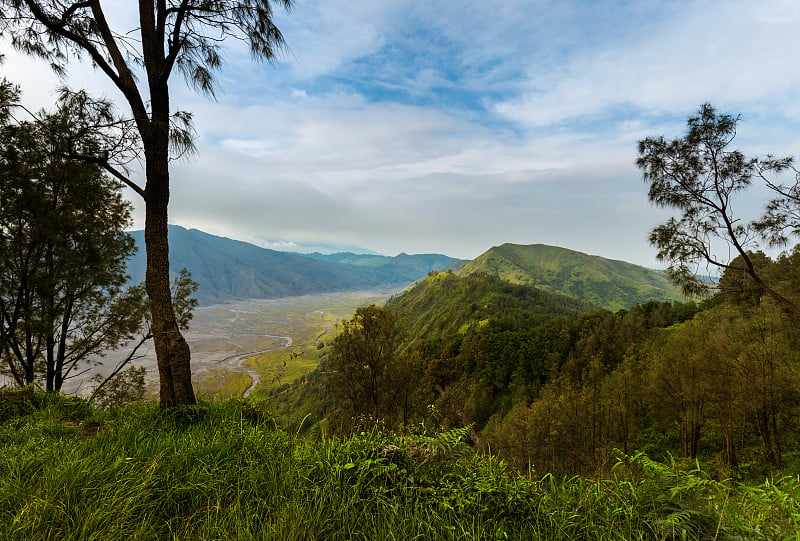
(605, 283)
(444, 304)
(545, 379)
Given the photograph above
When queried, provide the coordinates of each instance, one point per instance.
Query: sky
(451, 126)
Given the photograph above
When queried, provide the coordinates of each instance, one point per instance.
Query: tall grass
(224, 471)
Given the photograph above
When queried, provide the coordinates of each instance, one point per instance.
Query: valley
(263, 315)
(240, 344)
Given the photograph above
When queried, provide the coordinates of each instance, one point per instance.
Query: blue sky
(451, 126)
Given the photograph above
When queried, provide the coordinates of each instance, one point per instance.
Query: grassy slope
(445, 303)
(603, 282)
(223, 471)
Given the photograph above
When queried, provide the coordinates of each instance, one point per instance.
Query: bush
(19, 402)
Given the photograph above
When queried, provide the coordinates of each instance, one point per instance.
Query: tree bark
(172, 351)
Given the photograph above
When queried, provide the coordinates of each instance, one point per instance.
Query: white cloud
(309, 152)
(323, 35)
(730, 53)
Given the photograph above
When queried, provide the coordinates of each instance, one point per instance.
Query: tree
(700, 176)
(172, 35)
(768, 367)
(678, 381)
(183, 287)
(365, 374)
(63, 249)
(763, 354)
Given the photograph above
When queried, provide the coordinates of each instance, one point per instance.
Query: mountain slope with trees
(716, 383)
(606, 283)
(444, 304)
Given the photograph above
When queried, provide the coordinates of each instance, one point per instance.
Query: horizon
(364, 251)
(443, 128)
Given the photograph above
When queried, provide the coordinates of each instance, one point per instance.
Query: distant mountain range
(228, 269)
(605, 283)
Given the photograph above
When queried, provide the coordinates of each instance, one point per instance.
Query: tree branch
(125, 82)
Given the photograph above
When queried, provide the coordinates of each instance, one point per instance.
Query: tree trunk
(50, 365)
(729, 444)
(172, 351)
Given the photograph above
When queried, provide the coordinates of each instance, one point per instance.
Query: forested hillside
(445, 304)
(552, 381)
(606, 283)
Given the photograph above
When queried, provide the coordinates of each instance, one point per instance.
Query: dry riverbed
(239, 345)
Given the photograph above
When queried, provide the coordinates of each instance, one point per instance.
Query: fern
(441, 447)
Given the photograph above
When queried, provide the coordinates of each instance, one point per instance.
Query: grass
(285, 365)
(221, 383)
(223, 470)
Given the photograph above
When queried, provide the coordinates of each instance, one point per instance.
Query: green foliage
(368, 376)
(714, 385)
(701, 177)
(444, 305)
(19, 402)
(549, 388)
(63, 246)
(488, 342)
(123, 389)
(223, 471)
(441, 447)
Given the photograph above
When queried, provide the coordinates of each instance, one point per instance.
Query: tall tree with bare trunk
(172, 35)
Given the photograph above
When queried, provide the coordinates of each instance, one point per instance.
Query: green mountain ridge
(227, 269)
(444, 304)
(605, 283)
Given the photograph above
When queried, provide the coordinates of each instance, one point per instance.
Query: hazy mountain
(228, 269)
(603, 282)
(400, 268)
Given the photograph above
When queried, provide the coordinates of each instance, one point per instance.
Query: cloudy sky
(451, 126)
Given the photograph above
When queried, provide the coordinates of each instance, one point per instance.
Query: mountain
(444, 304)
(400, 268)
(228, 269)
(606, 283)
